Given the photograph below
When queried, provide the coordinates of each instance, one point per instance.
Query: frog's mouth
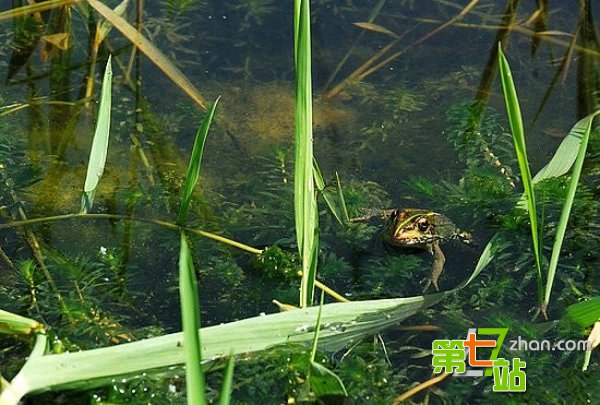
(411, 236)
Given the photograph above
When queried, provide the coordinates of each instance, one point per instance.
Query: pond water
(406, 116)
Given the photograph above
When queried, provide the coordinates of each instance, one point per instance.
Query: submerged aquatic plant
(476, 133)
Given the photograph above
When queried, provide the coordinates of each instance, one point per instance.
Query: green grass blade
(193, 172)
(305, 204)
(566, 210)
(99, 149)
(516, 126)
(190, 321)
(227, 385)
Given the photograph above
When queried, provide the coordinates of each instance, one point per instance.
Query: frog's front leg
(438, 266)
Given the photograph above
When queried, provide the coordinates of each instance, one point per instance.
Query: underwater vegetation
(183, 187)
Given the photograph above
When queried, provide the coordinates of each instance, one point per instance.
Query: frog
(416, 228)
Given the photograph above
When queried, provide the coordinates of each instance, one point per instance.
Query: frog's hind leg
(438, 266)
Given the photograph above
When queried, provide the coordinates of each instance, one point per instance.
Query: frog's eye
(423, 224)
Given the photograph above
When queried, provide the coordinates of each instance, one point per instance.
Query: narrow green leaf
(227, 385)
(99, 149)
(516, 126)
(305, 204)
(492, 249)
(193, 172)
(190, 321)
(566, 210)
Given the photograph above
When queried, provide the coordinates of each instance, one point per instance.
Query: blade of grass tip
(305, 205)
(99, 148)
(566, 212)
(193, 172)
(227, 386)
(190, 321)
(516, 126)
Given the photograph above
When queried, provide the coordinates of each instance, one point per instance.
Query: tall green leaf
(99, 149)
(190, 321)
(193, 172)
(516, 126)
(305, 203)
(566, 210)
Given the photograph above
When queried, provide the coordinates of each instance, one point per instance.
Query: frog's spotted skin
(422, 229)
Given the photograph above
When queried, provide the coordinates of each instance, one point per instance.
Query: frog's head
(418, 228)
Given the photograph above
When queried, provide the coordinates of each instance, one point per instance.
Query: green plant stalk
(566, 211)
(190, 321)
(164, 224)
(516, 126)
(193, 172)
(305, 204)
(322, 380)
(99, 148)
(315, 343)
(227, 386)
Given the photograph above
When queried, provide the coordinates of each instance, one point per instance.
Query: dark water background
(391, 128)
